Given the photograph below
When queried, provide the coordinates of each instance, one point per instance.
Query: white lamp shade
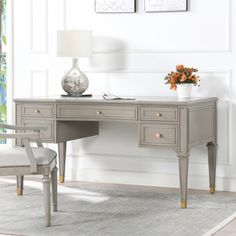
(74, 43)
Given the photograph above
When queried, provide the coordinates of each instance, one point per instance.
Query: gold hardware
(159, 114)
(37, 111)
(212, 189)
(19, 191)
(158, 135)
(61, 178)
(99, 112)
(183, 204)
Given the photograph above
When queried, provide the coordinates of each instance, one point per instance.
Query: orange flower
(175, 75)
(179, 67)
(173, 80)
(193, 78)
(183, 78)
(189, 71)
(182, 75)
(173, 86)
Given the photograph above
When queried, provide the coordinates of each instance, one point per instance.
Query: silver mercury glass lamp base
(75, 82)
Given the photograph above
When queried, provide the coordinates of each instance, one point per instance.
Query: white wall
(133, 52)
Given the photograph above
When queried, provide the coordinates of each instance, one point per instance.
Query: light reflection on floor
(74, 193)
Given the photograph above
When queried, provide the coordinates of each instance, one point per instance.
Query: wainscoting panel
(193, 31)
(39, 83)
(39, 26)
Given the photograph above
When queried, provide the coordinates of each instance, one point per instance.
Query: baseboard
(146, 179)
(139, 171)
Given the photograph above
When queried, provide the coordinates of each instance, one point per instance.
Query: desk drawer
(46, 135)
(158, 135)
(159, 113)
(37, 110)
(97, 112)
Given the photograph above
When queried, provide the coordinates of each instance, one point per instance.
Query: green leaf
(4, 39)
(3, 110)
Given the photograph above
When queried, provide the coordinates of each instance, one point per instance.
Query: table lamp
(74, 44)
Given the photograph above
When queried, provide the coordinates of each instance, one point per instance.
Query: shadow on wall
(213, 85)
(108, 53)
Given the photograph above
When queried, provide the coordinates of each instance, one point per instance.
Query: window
(3, 65)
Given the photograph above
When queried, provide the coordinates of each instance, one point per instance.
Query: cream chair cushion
(16, 157)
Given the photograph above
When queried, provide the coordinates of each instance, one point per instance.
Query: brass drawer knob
(99, 112)
(158, 135)
(37, 111)
(159, 114)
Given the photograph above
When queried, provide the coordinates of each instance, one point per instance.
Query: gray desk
(162, 122)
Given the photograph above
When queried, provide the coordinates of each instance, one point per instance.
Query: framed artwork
(166, 5)
(115, 6)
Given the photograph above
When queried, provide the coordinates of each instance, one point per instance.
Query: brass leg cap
(19, 191)
(183, 204)
(62, 179)
(212, 189)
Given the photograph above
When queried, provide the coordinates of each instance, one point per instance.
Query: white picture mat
(165, 5)
(116, 6)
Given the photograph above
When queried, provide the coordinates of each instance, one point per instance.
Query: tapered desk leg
(212, 165)
(183, 175)
(20, 185)
(62, 161)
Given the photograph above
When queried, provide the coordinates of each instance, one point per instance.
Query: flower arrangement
(182, 75)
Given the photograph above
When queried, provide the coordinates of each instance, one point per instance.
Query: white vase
(184, 90)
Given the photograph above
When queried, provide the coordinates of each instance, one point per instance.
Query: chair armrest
(26, 138)
(33, 162)
(15, 127)
(30, 136)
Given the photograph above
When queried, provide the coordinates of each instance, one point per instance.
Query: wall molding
(44, 49)
(139, 158)
(64, 14)
(228, 36)
(227, 48)
(145, 51)
(229, 26)
(46, 81)
(230, 120)
(150, 172)
(149, 71)
(156, 179)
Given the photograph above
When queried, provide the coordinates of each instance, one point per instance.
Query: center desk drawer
(97, 112)
(159, 113)
(158, 135)
(37, 110)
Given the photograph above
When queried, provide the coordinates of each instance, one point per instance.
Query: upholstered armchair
(27, 160)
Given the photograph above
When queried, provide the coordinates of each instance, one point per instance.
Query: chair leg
(47, 204)
(54, 188)
(20, 185)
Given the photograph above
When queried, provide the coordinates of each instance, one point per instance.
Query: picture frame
(115, 6)
(166, 5)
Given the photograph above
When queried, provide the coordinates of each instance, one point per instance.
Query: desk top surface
(138, 100)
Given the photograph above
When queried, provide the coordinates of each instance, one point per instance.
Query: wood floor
(228, 230)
